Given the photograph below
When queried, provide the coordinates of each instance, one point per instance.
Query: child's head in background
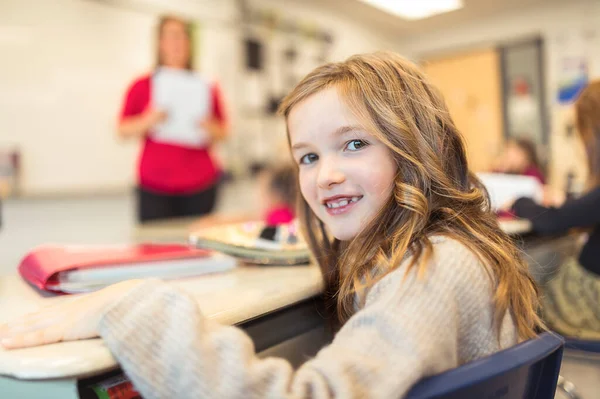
(278, 187)
(520, 157)
(382, 169)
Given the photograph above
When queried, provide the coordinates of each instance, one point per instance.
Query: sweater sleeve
(580, 212)
(407, 329)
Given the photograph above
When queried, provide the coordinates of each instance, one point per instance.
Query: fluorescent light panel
(416, 9)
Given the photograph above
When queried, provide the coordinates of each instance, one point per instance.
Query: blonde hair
(434, 193)
(587, 110)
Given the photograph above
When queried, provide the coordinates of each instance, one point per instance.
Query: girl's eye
(308, 159)
(355, 145)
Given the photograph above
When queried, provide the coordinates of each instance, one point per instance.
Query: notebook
(84, 268)
(255, 243)
(505, 188)
(185, 97)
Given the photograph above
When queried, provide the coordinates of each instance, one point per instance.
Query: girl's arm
(408, 329)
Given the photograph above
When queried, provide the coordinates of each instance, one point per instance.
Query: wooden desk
(275, 305)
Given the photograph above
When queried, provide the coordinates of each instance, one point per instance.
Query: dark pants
(155, 206)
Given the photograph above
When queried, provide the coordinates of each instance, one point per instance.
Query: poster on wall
(576, 56)
(574, 59)
(572, 78)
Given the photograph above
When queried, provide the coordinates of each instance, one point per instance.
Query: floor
(110, 219)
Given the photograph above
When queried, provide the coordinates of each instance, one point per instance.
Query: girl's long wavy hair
(587, 110)
(434, 193)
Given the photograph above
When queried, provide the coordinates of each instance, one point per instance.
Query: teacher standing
(174, 180)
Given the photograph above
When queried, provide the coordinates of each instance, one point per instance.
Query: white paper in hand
(504, 188)
(185, 97)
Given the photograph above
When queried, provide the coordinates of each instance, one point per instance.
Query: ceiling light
(415, 9)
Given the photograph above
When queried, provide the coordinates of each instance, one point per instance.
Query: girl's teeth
(343, 202)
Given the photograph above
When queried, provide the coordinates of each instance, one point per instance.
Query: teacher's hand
(67, 319)
(154, 116)
(215, 128)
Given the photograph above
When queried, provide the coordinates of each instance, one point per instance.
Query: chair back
(528, 370)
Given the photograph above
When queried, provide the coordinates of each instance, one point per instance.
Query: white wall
(60, 89)
(66, 63)
(562, 26)
(265, 137)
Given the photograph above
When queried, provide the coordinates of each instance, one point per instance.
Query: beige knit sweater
(406, 330)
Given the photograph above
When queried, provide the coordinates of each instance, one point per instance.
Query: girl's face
(346, 175)
(174, 45)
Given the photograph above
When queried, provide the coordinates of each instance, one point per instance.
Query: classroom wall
(569, 29)
(66, 63)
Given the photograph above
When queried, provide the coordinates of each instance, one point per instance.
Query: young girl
(417, 271)
(572, 297)
(276, 197)
(278, 194)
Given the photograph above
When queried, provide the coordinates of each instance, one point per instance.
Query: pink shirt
(168, 168)
(281, 215)
(535, 172)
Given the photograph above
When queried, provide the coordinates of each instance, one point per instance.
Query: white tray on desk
(515, 227)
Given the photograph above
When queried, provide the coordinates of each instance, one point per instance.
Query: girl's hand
(553, 197)
(67, 319)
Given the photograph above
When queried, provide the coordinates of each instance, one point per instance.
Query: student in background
(276, 199)
(417, 273)
(571, 302)
(173, 180)
(278, 194)
(520, 157)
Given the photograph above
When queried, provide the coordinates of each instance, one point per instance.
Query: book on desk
(84, 268)
(255, 242)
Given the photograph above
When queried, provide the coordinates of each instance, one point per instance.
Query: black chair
(528, 370)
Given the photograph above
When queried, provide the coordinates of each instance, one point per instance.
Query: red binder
(47, 267)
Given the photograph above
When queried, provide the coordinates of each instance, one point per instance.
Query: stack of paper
(186, 98)
(504, 189)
